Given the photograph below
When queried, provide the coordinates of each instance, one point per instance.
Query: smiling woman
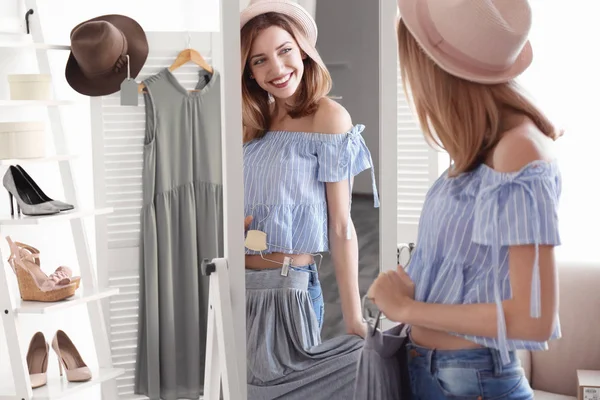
(278, 58)
(301, 153)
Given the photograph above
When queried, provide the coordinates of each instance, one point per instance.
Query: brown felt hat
(97, 64)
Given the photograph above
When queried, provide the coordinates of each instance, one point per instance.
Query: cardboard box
(588, 384)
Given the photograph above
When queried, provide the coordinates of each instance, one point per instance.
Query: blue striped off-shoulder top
(284, 184)
(466, 226)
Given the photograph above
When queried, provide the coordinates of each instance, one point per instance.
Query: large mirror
(351, 57)
(303, 320)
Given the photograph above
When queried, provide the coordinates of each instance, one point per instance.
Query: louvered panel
(415, 164)
(123, 322)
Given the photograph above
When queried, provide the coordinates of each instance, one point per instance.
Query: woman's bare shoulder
(331, 117)
(520, 146)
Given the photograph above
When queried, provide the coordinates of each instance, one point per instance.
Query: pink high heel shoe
(37, 360)
(69, 359)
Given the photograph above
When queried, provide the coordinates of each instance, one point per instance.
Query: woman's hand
(393, 292)
(358, 328)
(247, 222)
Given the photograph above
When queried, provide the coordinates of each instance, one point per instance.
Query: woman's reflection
(301, 153)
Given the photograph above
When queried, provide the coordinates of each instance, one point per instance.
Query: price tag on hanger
(129, 92)
(129, 89)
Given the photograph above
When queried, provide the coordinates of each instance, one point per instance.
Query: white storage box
(30, 87)
(22, 140)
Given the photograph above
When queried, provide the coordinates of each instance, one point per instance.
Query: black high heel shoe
(28, 200)
(58, 204)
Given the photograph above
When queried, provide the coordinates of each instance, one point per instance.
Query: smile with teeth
(283, 80)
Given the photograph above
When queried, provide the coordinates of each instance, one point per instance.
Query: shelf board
(42, 219)
(38, 307)
(38, 46)
(58, 387)
(43, 103)
(20, 161)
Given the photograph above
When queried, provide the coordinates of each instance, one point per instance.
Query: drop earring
(270, 97)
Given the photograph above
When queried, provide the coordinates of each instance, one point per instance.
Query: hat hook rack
(27, 14)
(128, 68)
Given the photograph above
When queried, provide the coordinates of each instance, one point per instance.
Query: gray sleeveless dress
(182, 223)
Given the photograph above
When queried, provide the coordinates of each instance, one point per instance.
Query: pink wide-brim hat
(287, 7)
(484, 41)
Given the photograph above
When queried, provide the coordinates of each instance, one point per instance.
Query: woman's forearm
(344, 254)
(466, 319)
(474, 319)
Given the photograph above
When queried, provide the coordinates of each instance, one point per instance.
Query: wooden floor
(366, 221)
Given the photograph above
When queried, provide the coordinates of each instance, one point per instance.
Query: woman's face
(275, 62)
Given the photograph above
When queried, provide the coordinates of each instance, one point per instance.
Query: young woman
(301, 152)
(482, 280)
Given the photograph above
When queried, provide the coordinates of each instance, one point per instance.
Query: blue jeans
(314, 290)
(472, 374)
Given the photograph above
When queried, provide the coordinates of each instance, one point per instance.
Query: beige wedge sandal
(69, 359)
(62, 275)
(37, 360)
(34, 284)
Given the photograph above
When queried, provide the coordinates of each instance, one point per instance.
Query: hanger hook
(268, 212)
(189, 40)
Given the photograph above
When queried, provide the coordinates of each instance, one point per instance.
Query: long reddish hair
(461, 117)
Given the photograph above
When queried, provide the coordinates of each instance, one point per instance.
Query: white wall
(349, 43)
(54, 241)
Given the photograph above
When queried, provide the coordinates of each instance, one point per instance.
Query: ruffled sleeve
(518, 209)
(341, 157)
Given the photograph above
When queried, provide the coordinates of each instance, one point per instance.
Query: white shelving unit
(41, 103)
(89, 294)
(48, 159)
(35, 307)
(44, 219)
(37, 46)
(57, 387)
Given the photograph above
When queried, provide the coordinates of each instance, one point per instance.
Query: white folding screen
(118, 134)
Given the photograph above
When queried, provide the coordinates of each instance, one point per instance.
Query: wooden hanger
(192, 55)
(184, 57)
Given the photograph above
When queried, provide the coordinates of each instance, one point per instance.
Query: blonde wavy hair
(461, 117)
(315, 84)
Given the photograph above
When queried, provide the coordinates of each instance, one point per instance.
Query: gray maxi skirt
(286, 358)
